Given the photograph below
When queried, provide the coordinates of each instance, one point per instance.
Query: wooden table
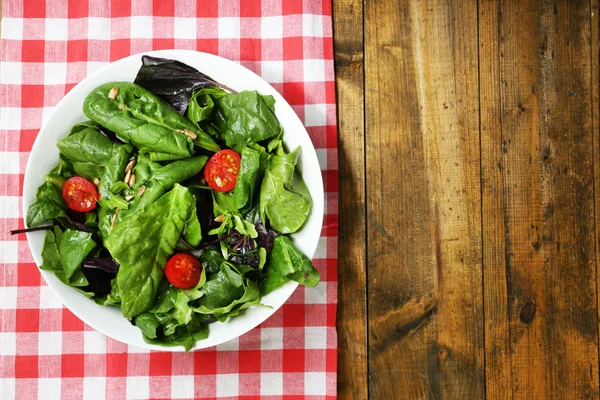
(469, 162)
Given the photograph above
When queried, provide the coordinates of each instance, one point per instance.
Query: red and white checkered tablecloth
(47, 47)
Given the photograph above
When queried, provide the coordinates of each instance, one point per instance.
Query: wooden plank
(539, 255)
(352, 310)
(425, 301)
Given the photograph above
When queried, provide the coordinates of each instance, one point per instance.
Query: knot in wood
(527, 311)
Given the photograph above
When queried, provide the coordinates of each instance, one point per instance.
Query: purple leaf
(265, 237)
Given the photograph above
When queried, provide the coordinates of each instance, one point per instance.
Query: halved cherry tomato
(80, 194)
(183, 271)
(222, 169)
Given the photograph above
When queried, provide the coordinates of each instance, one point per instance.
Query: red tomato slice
(80, 194)
(183, 271)
(222, 169)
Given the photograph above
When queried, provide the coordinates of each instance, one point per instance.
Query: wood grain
(425, 301)
(352, 312)
(537, 198)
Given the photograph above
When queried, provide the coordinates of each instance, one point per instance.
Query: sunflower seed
(96, 181)
(130, 166)
(114, 218)
(190, 134)
(129, 197)
(142, 190)
(113, 93)
(131, 180)
(127, 176)
(220, 218)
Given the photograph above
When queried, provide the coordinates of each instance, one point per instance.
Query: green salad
(174, 202)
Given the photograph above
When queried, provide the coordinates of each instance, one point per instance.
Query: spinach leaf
(172, 320)
(48, 205)
(211, 259)
(254, 161)
(284, 197)
(248, 118)
(201, 105)
(73, 247)
(141, 244)
(172, 80)
(158, 180)
(95, 156)
(139, 117)
(226, 293)
(286, 262)
(184, 335)
(51, 260)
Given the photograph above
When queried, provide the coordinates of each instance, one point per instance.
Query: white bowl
(44, 156)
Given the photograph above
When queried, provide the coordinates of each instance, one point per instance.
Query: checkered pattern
(47, 47)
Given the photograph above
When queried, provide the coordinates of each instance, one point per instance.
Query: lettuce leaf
(142, 243)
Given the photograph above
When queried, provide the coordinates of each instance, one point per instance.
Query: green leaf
(201, 104)
(284, 197)
(247, 118)
(286, 262)
(51, 260)
(95, 156)
(148, 324)
(142, 243)
(254, 161)
(223, 305)
(119, 187)
(73, 247)
(115, 201)
(139, 117)
(48, 205)
(159, 180)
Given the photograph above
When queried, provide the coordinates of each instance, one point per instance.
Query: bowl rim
(317, 209)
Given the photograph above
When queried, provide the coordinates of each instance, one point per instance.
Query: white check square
(94, 387)
(271, 27)
(185, 28)
(10, 73)
(7, 388)
(271, 338)
(315, 337)
(98, 28)
(315, 383)
(48, 299)
(9, 207)
(138, 387)
(55, 73)
(272, 71)
(10, 255)
(271, 383)
(227, 385)
(312, 25)
(316, 295)
(94, 342)
(56, 29)
(315, 115)
(9, 162)
(10, 118)
(49, 388)
(141, 27)
(229, 28)
(8, 344)
(314, 70)
(12, 28)
(50, 343)
(182, 387)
